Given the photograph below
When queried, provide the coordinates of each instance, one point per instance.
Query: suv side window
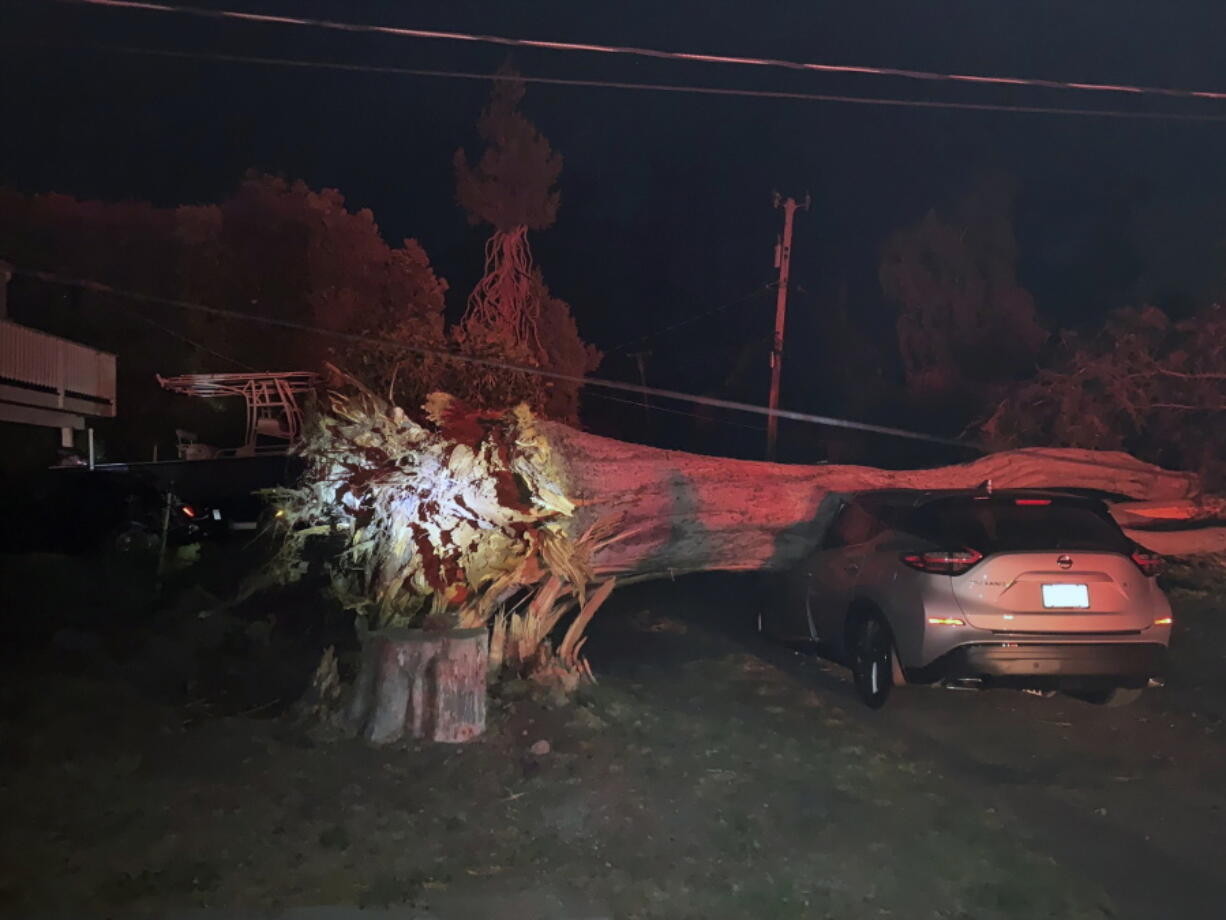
(852, 526)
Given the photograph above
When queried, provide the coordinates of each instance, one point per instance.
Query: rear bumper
(1048, 665)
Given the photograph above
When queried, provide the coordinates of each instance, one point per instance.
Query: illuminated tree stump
(426, 684)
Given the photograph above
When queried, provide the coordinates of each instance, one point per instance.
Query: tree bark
(687, 512)
(428, 684)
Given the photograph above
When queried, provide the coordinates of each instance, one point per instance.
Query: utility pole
(783, 259)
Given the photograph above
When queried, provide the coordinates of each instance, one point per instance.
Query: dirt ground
(149, 767)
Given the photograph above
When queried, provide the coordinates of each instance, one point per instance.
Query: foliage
(560, 350)
(565, 352)
(964, 322)
(275, 248)
(514, 183)
(1145, 384)
(852, 380)
(288, 252)
(127, 244)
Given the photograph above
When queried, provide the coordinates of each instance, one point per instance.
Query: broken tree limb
(1198, 541)
(1158, 513)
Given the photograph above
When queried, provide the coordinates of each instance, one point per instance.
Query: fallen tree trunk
(695, 513)
(470, 519)
(450, 516)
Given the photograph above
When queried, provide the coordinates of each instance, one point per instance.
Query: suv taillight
(1149, 563)
(943, 562)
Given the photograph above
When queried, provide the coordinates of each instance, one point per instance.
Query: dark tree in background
(513, 187)
(284, 251)
(127, 244)
(275, 249)
(1144, 384)
(511, 314)
(965, 325)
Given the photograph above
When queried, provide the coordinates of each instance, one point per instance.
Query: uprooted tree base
(468, 520)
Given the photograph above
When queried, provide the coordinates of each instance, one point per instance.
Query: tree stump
(429, 684)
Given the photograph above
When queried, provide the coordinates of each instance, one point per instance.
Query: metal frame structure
(272, 408)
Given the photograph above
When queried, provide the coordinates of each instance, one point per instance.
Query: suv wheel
(872, 658)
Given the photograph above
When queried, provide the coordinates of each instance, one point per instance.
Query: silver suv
(1026, 589)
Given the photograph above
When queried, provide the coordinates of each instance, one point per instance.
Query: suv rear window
(1000, 525)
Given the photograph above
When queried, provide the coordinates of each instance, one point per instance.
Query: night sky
(666, 197)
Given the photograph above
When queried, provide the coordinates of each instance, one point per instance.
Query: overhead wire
(199, 346)
(634, 51)
(187, 340)
(681, 324)
(100, 287)
(663, 87)
(654, 408)
(714, 402)
(685, 88)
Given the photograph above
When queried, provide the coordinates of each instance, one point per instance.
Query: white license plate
(1066, 596)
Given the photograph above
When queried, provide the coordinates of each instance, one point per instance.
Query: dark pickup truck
(122, 506)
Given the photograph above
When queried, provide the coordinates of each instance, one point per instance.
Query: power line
(639, 405)
(99, 287)
(693, 319)
(192, 342)
(650, 87)
(199, 346)
(627, 50)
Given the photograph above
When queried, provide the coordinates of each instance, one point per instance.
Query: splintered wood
(427, 514)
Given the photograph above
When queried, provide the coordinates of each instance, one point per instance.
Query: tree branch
(1187, 408)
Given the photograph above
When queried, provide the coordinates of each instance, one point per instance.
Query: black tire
(132, 541)
(870, 649)
(1115, 697)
